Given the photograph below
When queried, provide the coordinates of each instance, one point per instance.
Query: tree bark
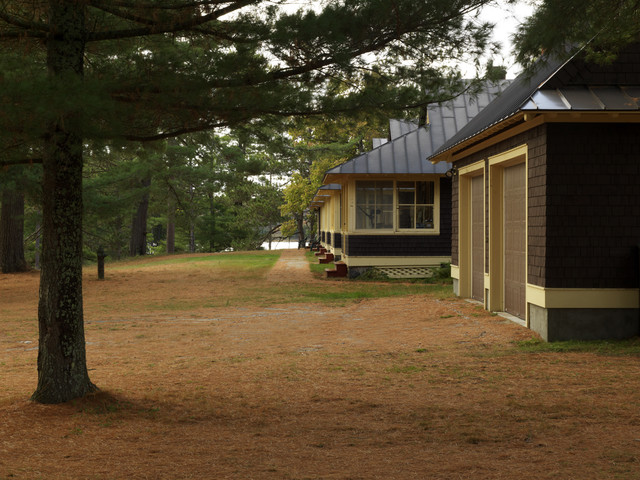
(171, 224)
(138, 243)
(301, 238)
(192, 236)
(62, 366)
(12, 232)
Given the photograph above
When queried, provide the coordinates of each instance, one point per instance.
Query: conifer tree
(601, 27)
(150, 69)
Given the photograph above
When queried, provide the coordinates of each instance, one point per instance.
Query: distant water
(278, 245)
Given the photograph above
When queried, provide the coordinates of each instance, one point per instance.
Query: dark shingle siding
(593, 203)
(398, 246)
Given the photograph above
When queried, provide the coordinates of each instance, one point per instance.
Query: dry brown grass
(397, 388)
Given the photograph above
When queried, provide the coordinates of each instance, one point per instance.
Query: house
(546, 200)
(327, 202)
(390, 208)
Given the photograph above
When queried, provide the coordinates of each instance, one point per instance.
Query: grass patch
(344, 292)
(317, 268)
(230, 260)
(630, 347)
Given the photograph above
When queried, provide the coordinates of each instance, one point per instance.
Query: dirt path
(411, 387)
(292, 267)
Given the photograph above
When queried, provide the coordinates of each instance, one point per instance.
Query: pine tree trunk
(138, 243)
(62, 366)
(301, 239)
(192, 236)
(171, 225)
(212, 227)
(11, 232)
(38, 241)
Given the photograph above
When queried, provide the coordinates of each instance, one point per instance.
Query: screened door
(477, 238)
(515, 235)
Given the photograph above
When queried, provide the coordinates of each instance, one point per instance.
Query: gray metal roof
(558, 85)
(585, 98)
(399, 128)
(407, 153)
(379, 141)
(330, 186)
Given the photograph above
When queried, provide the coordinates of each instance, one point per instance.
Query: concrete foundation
(456, 286)
(559, 324)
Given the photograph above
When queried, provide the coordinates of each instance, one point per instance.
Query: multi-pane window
(375, 202)
(415, 204)
(374, 205)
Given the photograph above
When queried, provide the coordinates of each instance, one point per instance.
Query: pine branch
(23, 161)
(175, 133)
(160, 28)
(17, 22)
(155, 6)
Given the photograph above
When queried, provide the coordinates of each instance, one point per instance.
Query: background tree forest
(202, 192)
(117, 101)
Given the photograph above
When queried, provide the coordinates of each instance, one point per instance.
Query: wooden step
(341, 270)
(321, 251)
(328, 258)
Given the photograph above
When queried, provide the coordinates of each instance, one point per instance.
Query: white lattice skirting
(407, 272)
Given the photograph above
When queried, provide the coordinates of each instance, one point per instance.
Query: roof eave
(448, 154)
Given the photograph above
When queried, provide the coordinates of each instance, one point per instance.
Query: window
(415, 204)
(374, 205)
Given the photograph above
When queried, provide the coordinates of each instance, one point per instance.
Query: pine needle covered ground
(226, 367)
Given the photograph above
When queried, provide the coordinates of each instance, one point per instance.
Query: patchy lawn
(212, 368)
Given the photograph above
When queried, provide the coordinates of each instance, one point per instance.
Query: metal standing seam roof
(531, 94)
(321, 194)
(408, 152)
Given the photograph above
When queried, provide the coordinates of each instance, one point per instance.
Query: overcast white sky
(506, 19)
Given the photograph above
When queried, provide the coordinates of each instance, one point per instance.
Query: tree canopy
(125, 70)
(601, 27)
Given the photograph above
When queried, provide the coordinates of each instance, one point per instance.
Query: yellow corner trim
(583, 297)
(455, 272)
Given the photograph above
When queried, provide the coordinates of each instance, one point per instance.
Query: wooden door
(515, 236)
(477, 238)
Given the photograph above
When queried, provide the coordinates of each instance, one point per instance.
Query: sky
(506, 19)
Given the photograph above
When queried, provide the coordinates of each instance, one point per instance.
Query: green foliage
(321, 144)
(629, 347)
(373, 275)
(442, 273)
(603, 27)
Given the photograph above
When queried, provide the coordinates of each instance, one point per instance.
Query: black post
(100, 253)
